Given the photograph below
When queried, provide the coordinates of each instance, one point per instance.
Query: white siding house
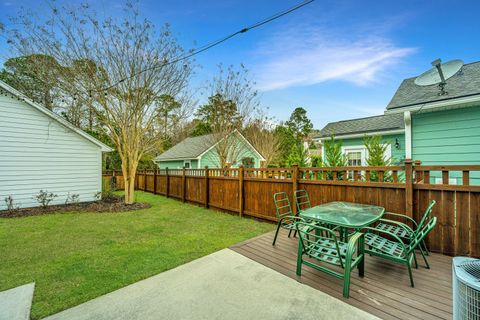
(39, 150)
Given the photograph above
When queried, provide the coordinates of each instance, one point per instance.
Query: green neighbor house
(422, 123)
(201, 151)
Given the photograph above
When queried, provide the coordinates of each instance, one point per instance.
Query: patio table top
(345, 214)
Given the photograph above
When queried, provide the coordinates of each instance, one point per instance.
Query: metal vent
(472, 268)
(466, 288)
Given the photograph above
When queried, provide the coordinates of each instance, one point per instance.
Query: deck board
(384, 291)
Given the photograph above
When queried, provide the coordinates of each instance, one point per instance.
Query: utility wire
(215, 43)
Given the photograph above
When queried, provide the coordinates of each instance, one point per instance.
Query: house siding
(38, 153)
(449, 137)
(176, 164)
(212, 160)
(398, 155)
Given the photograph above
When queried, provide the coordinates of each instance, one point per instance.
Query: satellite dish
(439, 73)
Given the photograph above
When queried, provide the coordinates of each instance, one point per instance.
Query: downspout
(407, 118)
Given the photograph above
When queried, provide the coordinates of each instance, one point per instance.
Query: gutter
(361, 135)
(453, 103)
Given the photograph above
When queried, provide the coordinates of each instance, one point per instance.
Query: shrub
(45, 197)
(334, 157)
(376, 156)
(107, 190)
(10, 203)
(72, 198)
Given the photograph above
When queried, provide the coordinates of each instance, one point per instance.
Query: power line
(215, 43)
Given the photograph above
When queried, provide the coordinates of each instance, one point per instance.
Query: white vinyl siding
(39, 153)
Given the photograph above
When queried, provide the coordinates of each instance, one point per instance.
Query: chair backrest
(422, 233)
(282, 205)
(426, 215)
(312, 236)
(302, 200)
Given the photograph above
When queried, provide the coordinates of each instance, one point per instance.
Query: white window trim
(358, 148)
(189, 163)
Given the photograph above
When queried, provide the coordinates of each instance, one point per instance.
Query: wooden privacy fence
(404, 189)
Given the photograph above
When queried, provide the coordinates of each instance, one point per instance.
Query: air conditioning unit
(466, 288)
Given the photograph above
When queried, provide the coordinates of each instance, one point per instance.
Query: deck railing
(406, 189)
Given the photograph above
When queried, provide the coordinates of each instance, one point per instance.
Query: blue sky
(337, 59)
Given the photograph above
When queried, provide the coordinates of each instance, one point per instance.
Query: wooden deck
(384, 291)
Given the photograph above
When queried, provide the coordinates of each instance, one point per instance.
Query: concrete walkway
(15, 303)
(223, 285)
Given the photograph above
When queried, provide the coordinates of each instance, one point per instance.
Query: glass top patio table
(344, 214)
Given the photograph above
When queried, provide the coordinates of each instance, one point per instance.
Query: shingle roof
(466, 82)
(190, 148)
(363, 125)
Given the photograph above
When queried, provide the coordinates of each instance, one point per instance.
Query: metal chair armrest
(404, 217)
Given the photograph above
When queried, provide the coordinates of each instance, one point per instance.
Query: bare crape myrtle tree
(117, 69)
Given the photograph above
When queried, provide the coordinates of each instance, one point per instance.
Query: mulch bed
(110, 204)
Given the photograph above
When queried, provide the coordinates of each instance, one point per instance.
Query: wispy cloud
(307, 55)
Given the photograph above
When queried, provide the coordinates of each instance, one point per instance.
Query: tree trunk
(129, 173)
(130, 191)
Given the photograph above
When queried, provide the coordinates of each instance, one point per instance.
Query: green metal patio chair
(404, 231)
(285, 216)
(302, 200)
(329, 250)
(396, 250)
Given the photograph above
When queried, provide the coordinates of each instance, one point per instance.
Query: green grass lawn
(75, 257)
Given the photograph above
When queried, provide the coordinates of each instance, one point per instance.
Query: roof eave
(363, 134)
(466, 101)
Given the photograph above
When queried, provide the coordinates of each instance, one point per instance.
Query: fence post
(206, 187)
(409, 187)
(184, 182)
(240, 190)
(294, 186)
(168, 182)
(155, 181)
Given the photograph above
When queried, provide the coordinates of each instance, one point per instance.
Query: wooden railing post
(409, 187)
(155, 181)
(206, 187)
(167, 178)
(184, 182)
(294, 186)
(240, 190)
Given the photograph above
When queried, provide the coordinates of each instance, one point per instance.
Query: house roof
(54, 116)
(190, 148)
(464, 83)
(194, 147)
(387, 122)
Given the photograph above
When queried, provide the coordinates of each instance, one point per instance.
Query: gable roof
(54, 116)
(464, 83)
(190, 148)
(194, 147)
(387, 122)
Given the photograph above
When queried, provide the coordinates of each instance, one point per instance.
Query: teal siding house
(423, 123)
(201, 151)
(352, 133)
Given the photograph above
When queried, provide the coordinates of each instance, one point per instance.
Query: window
(354, 158)
(248, 162)
(186, 164)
